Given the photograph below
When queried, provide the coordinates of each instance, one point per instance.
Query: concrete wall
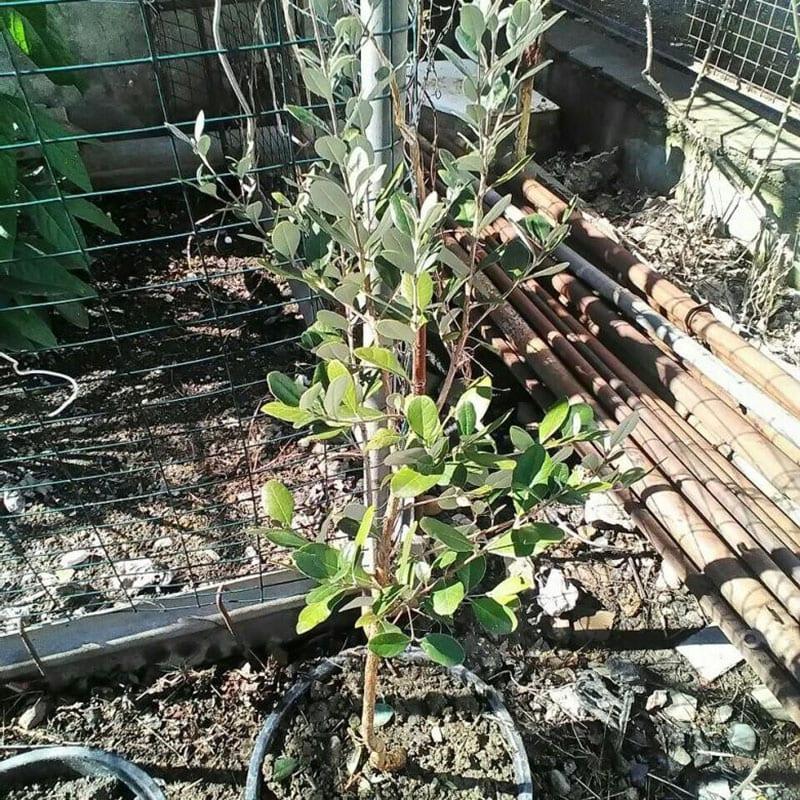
(125, 97)
(605, 102)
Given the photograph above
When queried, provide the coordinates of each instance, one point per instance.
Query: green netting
(149, 482)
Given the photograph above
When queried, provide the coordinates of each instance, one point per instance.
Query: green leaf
(51, 220)
(325, 593)
(365, 526)
(623, 430)
(520, 438)
(332, 319)
(407, 482)
(424, 291)
(311, 616)
(447, 599)
(507, 590)
(394, 329)
(380, 358)
(317, 561)
(553, 420)
(287, 413)
(493, 617)
(472, 21)
(389, 644)
(479, 394)
(33, 273)
(529, 465)
(331, 148)
(288, 539)
(64, 157)
(423, 418)
(382, 438)
(317, 82)
(74, 313)
(8, 216)
(329, 197)
(580, 419)
(529, 540)
(286, 238)
(442, 649)
(89, 212)
(471, 574)
(284, 388)
(31, 31)
(449, 536)
(27, 323)
(306, 117)
(383, 714)
(284, 768)
(278, 502)
(467, 418)
(538, 226)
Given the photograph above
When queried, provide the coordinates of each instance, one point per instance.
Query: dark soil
(454, 749)
(194, 729)
(159, 462)
(79, 789)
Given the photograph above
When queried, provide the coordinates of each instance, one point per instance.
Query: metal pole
(386, 23)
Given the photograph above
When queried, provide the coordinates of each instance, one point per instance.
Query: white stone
(764, 697)
(717, 789)
(13, 500)
(33, 715)
(682, 707)
(710, 653)
(658, 699)
(557, 595)
(77, 557)
(723, 714)
(601, 511)
(742, 736)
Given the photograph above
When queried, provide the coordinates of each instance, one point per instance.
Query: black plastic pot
(71, 762)
(494, 702)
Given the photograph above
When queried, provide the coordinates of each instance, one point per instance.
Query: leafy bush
(42, 259)
(382, 263)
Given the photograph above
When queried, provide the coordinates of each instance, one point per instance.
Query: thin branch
(250, 136)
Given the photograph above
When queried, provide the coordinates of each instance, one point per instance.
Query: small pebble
(560, 782)
(723, 714)
(658, 699)
(742, 736)
(717, 789)
(33, 715)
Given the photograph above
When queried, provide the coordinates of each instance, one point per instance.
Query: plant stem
(368, 706)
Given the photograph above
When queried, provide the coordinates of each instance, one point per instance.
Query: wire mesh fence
(753, 44)
(149, 482)
(750, 46)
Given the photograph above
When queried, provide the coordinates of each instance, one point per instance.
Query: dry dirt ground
(157, 466)
(606, 706)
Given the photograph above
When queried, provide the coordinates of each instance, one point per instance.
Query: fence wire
(752, 44)
(149, 483)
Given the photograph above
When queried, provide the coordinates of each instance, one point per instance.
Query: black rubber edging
(47, 763)
(494, 702)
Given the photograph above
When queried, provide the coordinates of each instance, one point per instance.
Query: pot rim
(74, 761)
(494, 703)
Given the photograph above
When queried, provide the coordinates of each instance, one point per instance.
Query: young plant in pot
(372, 246)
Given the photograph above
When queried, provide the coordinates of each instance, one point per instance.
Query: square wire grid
(751, 44)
